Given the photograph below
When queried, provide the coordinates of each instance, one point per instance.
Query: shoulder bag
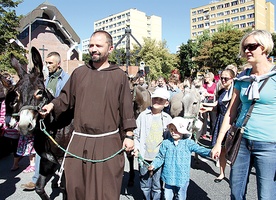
(234, 136)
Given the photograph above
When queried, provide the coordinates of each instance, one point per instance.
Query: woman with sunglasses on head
(258, 145)
(221, 104)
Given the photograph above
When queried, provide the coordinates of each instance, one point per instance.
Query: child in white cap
(150, 132)
(175, 156)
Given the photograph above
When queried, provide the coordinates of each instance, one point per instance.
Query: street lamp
(30, 33)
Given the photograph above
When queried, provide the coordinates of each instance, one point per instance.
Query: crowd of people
(161, 143)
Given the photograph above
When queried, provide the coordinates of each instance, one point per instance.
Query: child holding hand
(175, 156)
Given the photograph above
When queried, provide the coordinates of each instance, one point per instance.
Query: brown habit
(102, 102)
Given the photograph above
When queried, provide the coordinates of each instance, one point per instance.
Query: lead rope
(42, 128)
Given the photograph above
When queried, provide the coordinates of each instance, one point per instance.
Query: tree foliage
(212, 52)
(186, 53)
(9, 22)
(273, 53)
(157, 56)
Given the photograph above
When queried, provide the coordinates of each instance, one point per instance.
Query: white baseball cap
(161, 93)
(181, 124)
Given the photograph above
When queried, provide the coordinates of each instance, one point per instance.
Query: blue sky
(82, 14)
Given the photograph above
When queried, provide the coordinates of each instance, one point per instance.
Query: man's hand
(46, 109)
(128, 142)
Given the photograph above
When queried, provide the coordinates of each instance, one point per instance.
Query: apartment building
(242, 14)
(139, 23)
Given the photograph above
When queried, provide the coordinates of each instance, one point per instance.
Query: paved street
(202, 186)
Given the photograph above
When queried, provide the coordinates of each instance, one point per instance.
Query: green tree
(225, 48)
(273, 53)
(156, 55)
(9, 22)
(118, 56)
(185, 54)
(86, 57)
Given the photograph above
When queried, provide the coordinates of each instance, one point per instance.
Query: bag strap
(248, 114)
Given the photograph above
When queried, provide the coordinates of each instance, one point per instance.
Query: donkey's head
(25, 99)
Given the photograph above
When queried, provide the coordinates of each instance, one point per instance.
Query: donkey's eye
(13, 104)
(39, 94)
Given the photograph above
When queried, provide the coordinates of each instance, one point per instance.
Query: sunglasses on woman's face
(225, 78)
(251, 47)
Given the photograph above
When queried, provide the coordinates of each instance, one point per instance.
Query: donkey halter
(37, 108)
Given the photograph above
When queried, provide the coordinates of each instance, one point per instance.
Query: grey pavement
(202, 186)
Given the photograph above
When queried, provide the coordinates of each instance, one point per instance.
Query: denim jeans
(37, 163)
(150, 185)
(262, 156)
(174, 192)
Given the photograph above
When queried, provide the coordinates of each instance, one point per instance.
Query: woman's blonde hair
(262, 37)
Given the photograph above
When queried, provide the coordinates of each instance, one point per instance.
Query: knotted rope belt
(43, 128)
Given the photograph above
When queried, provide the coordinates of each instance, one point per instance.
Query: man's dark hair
(107, 35)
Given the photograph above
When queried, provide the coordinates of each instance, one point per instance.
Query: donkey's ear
(37, 60)
(19, 68)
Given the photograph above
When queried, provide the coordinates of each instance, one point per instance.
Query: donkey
(187, 104)
(141, 99)
(23, 104)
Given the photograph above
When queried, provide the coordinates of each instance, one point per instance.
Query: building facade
(46, 29)
(139, 23)
(242, 14)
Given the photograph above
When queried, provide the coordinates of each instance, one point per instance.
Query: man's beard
(96, 57)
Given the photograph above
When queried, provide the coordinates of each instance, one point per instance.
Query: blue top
(62, 79)
(177, 160)
(261, 125)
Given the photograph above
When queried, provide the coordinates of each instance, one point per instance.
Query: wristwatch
(130, 137)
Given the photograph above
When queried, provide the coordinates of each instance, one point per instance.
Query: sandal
(29, 169)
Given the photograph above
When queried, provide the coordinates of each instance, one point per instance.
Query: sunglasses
(225, 78)
(251, 47)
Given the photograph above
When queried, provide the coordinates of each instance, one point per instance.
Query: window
(200, 33)
(213, 23)
(194, 20)
(213, 8)
(213, 30)
(242, 17)
(207, 24)
(220, 14)
(213, 15)
(242, 9)
(194, 13)
(199, 18)
(250, 24)
(227, 20)
(227, 12)
(250, 7)
(226, 5)
(200, 26)
(243, 25)
(235, 19)
(235, 11)
(194, 27)
(220, 21)
(220, 6)
(242, 1)
(200, 11)
(234, 3)
(250, 15)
